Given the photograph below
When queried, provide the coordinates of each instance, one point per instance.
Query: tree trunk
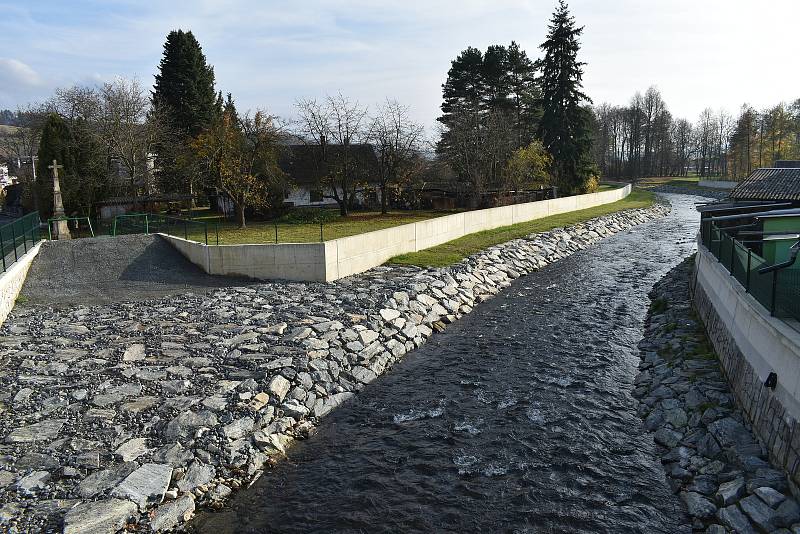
(384, 208)
(240, 216)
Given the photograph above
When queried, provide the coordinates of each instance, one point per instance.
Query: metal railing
(776, 287)
(76, 231)
(18, 236)
(153, 223)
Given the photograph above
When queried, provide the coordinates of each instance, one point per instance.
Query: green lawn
(454, 251)
(264, 232)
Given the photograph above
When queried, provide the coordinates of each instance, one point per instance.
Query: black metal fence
(777, 290)
(18, 236)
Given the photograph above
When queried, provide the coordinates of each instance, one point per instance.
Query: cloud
(15, 72)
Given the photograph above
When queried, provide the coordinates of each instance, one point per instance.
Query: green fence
(78, 227)
(150, 223)
(18, 236)
(778, 291)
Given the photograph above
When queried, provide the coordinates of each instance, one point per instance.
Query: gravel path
(102, 270)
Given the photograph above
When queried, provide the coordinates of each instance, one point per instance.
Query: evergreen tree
(56, 144)
(565, 127)
(184, 95)
(489, 109)
(83, 176)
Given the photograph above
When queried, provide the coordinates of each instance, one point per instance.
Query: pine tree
(489, 109)
(184, 95)
(565, 127)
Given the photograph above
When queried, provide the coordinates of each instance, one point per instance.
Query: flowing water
(519, 418)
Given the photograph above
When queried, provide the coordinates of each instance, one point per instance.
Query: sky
(268, 54)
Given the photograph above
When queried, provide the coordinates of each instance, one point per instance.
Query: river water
(519, 418)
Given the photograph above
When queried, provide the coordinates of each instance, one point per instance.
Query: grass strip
(458, 249)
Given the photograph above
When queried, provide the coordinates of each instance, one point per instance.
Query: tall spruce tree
(184, 95)
(565, 127)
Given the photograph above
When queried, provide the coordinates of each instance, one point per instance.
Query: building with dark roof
(309, 166)
(781, 182)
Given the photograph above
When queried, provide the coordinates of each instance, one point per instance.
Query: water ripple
(538, 432)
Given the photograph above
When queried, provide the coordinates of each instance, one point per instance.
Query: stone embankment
(711, 458)
(134, 413)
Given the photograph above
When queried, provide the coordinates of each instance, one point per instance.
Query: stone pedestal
(60, 230)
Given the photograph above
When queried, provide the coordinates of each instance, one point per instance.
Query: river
(519, 418)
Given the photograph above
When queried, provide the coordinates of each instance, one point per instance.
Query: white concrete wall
(359, 253)
(767, 343)
(718, 184)
(351, 255)
(293, 261)
(11, 281)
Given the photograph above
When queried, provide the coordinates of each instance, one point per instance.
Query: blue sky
(700, 53)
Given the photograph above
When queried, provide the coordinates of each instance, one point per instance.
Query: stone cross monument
(60, 229)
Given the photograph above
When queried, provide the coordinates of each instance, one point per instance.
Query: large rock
(33, 481)
(100, 517)
(733, 518)
(730, 433)
(44, 431)
(239, 428)
(172, 514)
(389, 314)
(730, 492)
(185, 423)
(98, 482)
(697, 505)
(759, 512)
(134, 353)
(668, 438)
(279, 387)
(146, 485)
(132, 449)
(197, 475)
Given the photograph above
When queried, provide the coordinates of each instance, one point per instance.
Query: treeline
(643, 139)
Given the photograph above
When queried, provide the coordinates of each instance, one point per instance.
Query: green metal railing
(76, 231)
(778, 291)
(153, 223)
(18, 236)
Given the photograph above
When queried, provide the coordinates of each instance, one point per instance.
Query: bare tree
(335, 126)
(130, 129)
(397, 141)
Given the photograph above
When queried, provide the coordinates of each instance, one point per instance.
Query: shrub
(310, 216)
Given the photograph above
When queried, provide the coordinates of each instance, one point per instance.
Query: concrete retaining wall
(11, 281)
(750, 345)
(717, 184)
(331, 260)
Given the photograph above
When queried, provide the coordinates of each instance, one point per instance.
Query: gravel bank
(141, 411)
(711, 458)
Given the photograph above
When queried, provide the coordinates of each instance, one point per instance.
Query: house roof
(308, 164)
(770, 184)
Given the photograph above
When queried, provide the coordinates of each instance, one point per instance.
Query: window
(316, 195)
